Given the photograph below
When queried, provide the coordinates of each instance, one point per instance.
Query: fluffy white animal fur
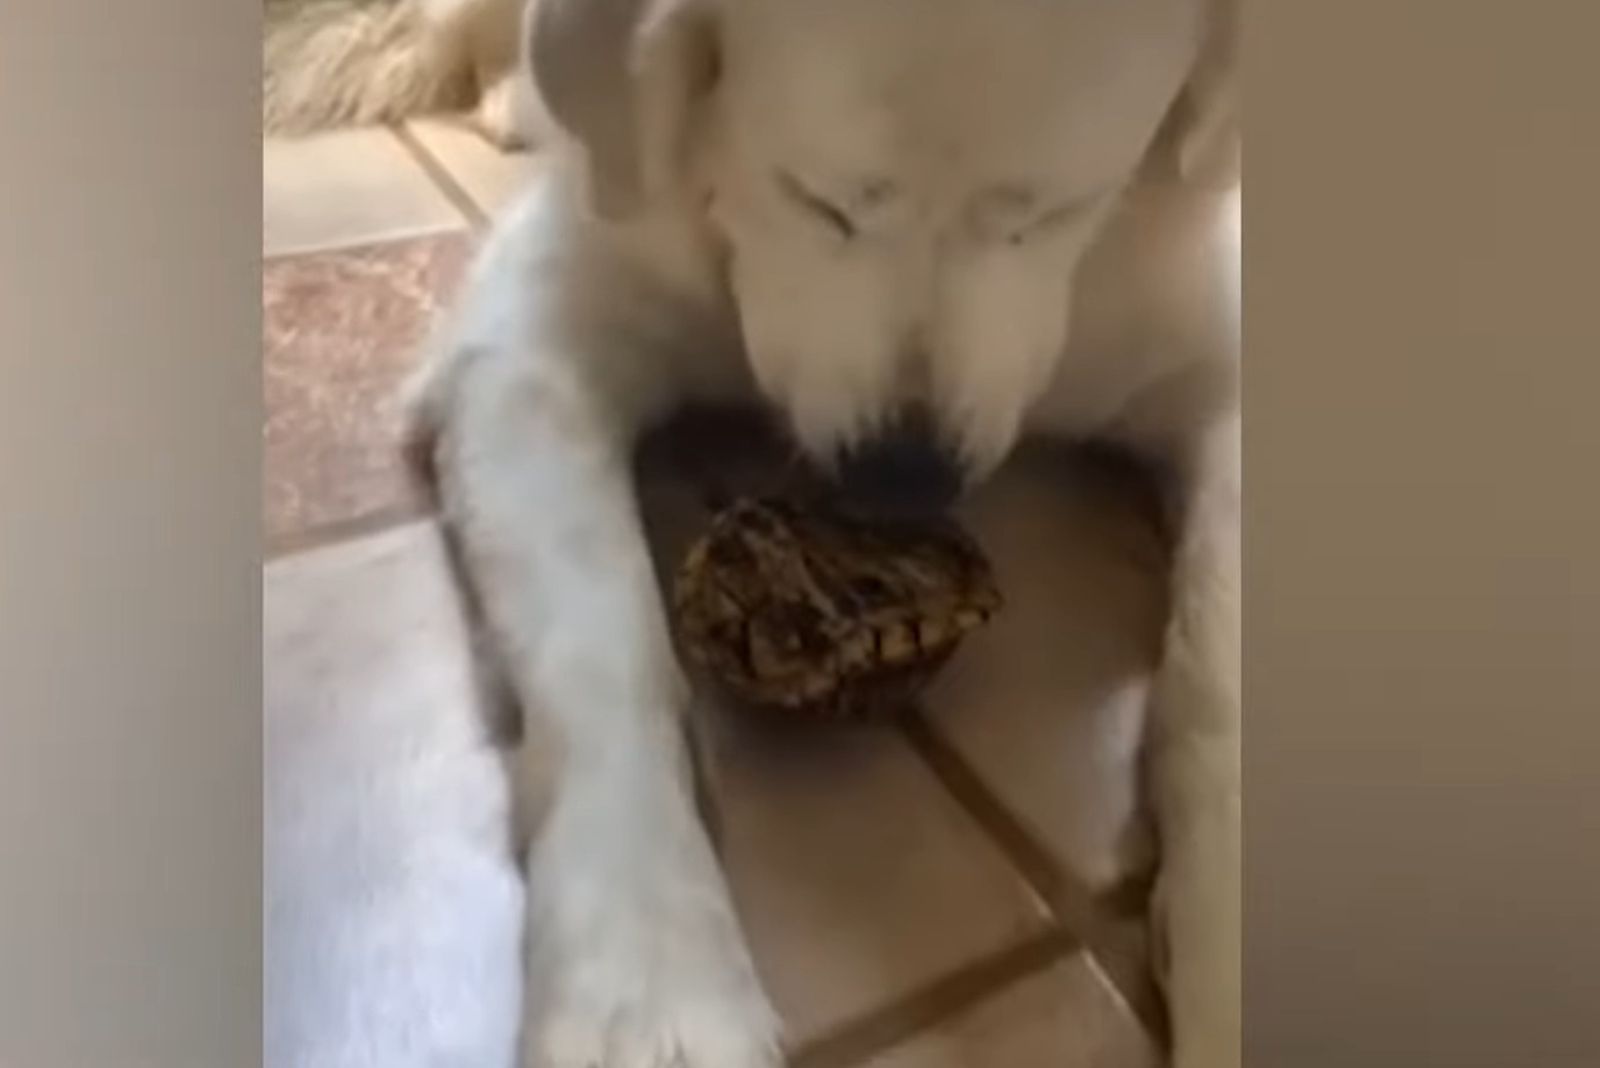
(330, 63)
(1020, 213)
(391, 904)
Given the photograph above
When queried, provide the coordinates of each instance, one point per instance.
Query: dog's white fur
(1030, 225)
(329, 63)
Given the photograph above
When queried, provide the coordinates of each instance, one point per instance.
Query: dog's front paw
(643, 969)
(509, 114)
(650, 1004)
(663, 1028)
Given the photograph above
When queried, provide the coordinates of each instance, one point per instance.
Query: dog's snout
(906, 471)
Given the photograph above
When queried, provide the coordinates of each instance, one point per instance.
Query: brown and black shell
(805, 610)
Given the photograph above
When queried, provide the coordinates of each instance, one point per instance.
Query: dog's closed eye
(818, 207)
(1051, 221)
(1012, 213)
(1042, 225)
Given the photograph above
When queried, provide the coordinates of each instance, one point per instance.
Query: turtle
(807, 609)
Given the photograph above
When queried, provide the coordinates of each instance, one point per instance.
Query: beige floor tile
(1048, 703)
(858, 877)
(488, 175)
(1064, 1018)
(343, 188)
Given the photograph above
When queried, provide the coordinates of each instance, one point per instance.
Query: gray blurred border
(1422, 553)
(130, 428)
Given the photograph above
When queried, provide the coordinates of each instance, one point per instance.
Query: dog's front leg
(635, 957)
(1193, 758)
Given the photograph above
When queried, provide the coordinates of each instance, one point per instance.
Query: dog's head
(904, 188)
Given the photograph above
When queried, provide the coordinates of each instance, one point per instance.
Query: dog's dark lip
(813, 481)
(817, 486)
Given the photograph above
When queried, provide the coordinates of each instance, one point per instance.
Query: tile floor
(916, 898)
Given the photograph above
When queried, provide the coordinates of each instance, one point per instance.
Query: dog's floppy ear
(1202, 141)
(623, 77)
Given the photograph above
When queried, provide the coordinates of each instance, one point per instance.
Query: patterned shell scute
(810, 611)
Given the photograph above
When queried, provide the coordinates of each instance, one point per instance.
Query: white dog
(329, 63)
(915, 229)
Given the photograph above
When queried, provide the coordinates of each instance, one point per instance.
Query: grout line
(1073, 904)
(1020, 847)
(341, 530)
(446, 182)
(398, 235)
(866, 1036)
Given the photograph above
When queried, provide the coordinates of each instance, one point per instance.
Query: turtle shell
(808, 611)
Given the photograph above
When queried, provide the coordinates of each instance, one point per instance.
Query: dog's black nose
(904, 472)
